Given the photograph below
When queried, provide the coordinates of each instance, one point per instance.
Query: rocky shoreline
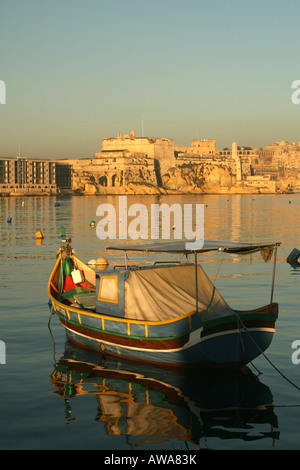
(187, 179)
(146, 189)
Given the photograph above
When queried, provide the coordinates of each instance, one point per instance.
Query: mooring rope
(265, 356)
(220, 265)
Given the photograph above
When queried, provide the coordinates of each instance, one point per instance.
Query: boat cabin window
(108, 290)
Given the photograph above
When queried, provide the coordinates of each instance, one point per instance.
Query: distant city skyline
(76, 72)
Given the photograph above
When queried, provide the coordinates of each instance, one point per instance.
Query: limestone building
(112, 169)
(199, 147)
(161, 150)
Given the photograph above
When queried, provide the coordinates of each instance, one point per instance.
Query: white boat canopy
(165, 293)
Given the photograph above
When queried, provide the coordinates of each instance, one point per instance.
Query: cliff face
(110, 174)
(140, 184)
(187, 178)
(198, 178)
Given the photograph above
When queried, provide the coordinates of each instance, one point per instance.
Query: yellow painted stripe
(83, 313)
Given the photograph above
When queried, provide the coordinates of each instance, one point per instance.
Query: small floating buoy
(9, 220)
(101, 263)
(92, 223)
(39, 235)
(92, 262)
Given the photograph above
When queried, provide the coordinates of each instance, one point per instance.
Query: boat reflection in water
(154, 405)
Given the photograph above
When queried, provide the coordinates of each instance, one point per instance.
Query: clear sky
(77, 71)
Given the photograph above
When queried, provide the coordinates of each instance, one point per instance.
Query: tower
(238, 164)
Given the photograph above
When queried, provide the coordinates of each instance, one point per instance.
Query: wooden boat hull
(231, 341)
(196, 356)
(224, 345)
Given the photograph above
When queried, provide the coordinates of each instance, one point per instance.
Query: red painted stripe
(129, 341)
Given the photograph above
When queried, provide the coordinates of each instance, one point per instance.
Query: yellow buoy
(39, 235)
(101, 263)
(92, 261)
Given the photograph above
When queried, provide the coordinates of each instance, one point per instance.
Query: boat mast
(273, 277)
(196, 281)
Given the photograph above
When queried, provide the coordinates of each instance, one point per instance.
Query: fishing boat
(168, 314)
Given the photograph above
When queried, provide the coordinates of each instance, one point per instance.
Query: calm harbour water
(106, 404)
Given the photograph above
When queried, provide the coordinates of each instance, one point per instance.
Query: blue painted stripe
(131, 328)
(73, 315)
(116, 326)
(166, 330)
(137, 329)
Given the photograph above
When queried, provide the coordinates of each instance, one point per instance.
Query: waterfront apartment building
(30, 175)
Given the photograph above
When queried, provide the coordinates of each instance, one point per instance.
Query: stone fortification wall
(130, 160)
(145, 165)
(160, 149)
(114, 169)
